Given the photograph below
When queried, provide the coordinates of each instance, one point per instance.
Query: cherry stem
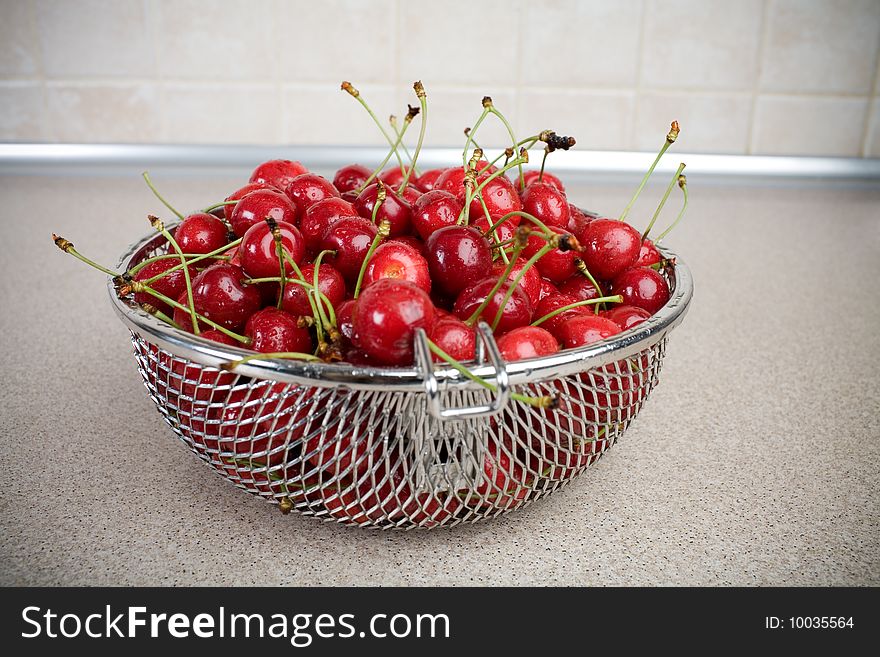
(156, 223)
(529, 263)
(319, 328)
(526, 144)
(582, 268)
(663, 200)
(470, 321)
(470, 181)
(543, 162)
(682, 182)
(423, 104)
(487, 104)
(613, 299)
(494, 233)
(158, 314)
(293, 281)
(191, 258)
(219, 205)
(159, 196)
(478, 190)
(519, 213)
(347, 87)
(393, 121)
(512, 139)
(292, 355)
(467, 132)
(381, 234)
(406, 123)
(67, 246)
(670, 139)
(546, 401)
(138, 286)
(322, 299)
(198, 258)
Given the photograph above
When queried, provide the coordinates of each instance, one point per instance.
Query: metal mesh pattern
(373, 454)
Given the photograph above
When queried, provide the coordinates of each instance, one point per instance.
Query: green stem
(512, 139)
(525, 215)
(407, 122)
(223, 249)
(319, 328)
(316, 288)
(393, 121)
(670, 139)
(347, 87)
(529, 263)
(472, 132)
(475, 316)
(663, 201)
(159, 196)
(381, 234)
(219, 205)
(423, 103)
(479, 188)
(159, 226)
(582, 268)
(67, 247)
(613, 299)
(682, 182)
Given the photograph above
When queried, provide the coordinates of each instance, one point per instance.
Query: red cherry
(258, 206)
(531, 176)
(452, 179)
(200, 233)
(273, 330)
(642, 287)
(547, 288)
(395, 209)
(385, 318)
(527, 342)
(502, 232)
(344, 315)
(517, 311)
(259, 256)
(171, 285)
(577, 221)
(530, 281)
(277, 173)
(610, 246)
(581, 288)
(351, 177)
(330, 283)
(411, 195)
(554, 302)
(393, 178)
(428, 179)
(455, 338)
(308, 189)
(400, 261)
(648, 254)
(504, 480)
(547, 203)
(350, 238)
(435, 210)
(319, 217)
(220, 295)
(556, 265)
(458, 257)
(411, 240)
(238, 194)
(218, 336)
(499, 196)
(586, 329)
(627, 316)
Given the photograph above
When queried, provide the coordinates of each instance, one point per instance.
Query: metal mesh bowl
(398, 447)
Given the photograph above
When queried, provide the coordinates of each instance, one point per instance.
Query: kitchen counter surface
(755, 462)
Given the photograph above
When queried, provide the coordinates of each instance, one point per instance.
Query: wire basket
(399, 447)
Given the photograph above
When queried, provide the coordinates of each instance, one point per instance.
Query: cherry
(273, 330)
(220, 295)
(554, 302)
(452, 179)
(259, 255)
(344, 315)
(308, 189)
(238, 194)
(581, 288)
(610, 246)
(586, 329)
(414, 242)
(351, 177)
(319, 217)
(330, 282)
(502, 233)
(627, 316)
(527, 342)
(218, 336)
(435, 210)
(547, 288)
(556, 265)
(171, 285)
(427, 181)
(393, 177)
(200, 233)
(352, 505)
(642, 287)
(499, 196)
(350, 238)
(258, 206)
(517, 311)
(278, 173)
(547, 203)
(648, 254)
(395, 209)
(530, 281)
(455, 338)
(504, 480)
(532, 176)
(458, 257)
(577, 221)
(400, 261)
(385, 318)
(411, 194)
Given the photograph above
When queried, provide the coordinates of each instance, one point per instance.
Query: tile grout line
(756, 87)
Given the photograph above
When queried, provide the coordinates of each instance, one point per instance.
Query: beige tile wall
(751, 76)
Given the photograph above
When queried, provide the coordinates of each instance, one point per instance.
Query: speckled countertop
(756, 461)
